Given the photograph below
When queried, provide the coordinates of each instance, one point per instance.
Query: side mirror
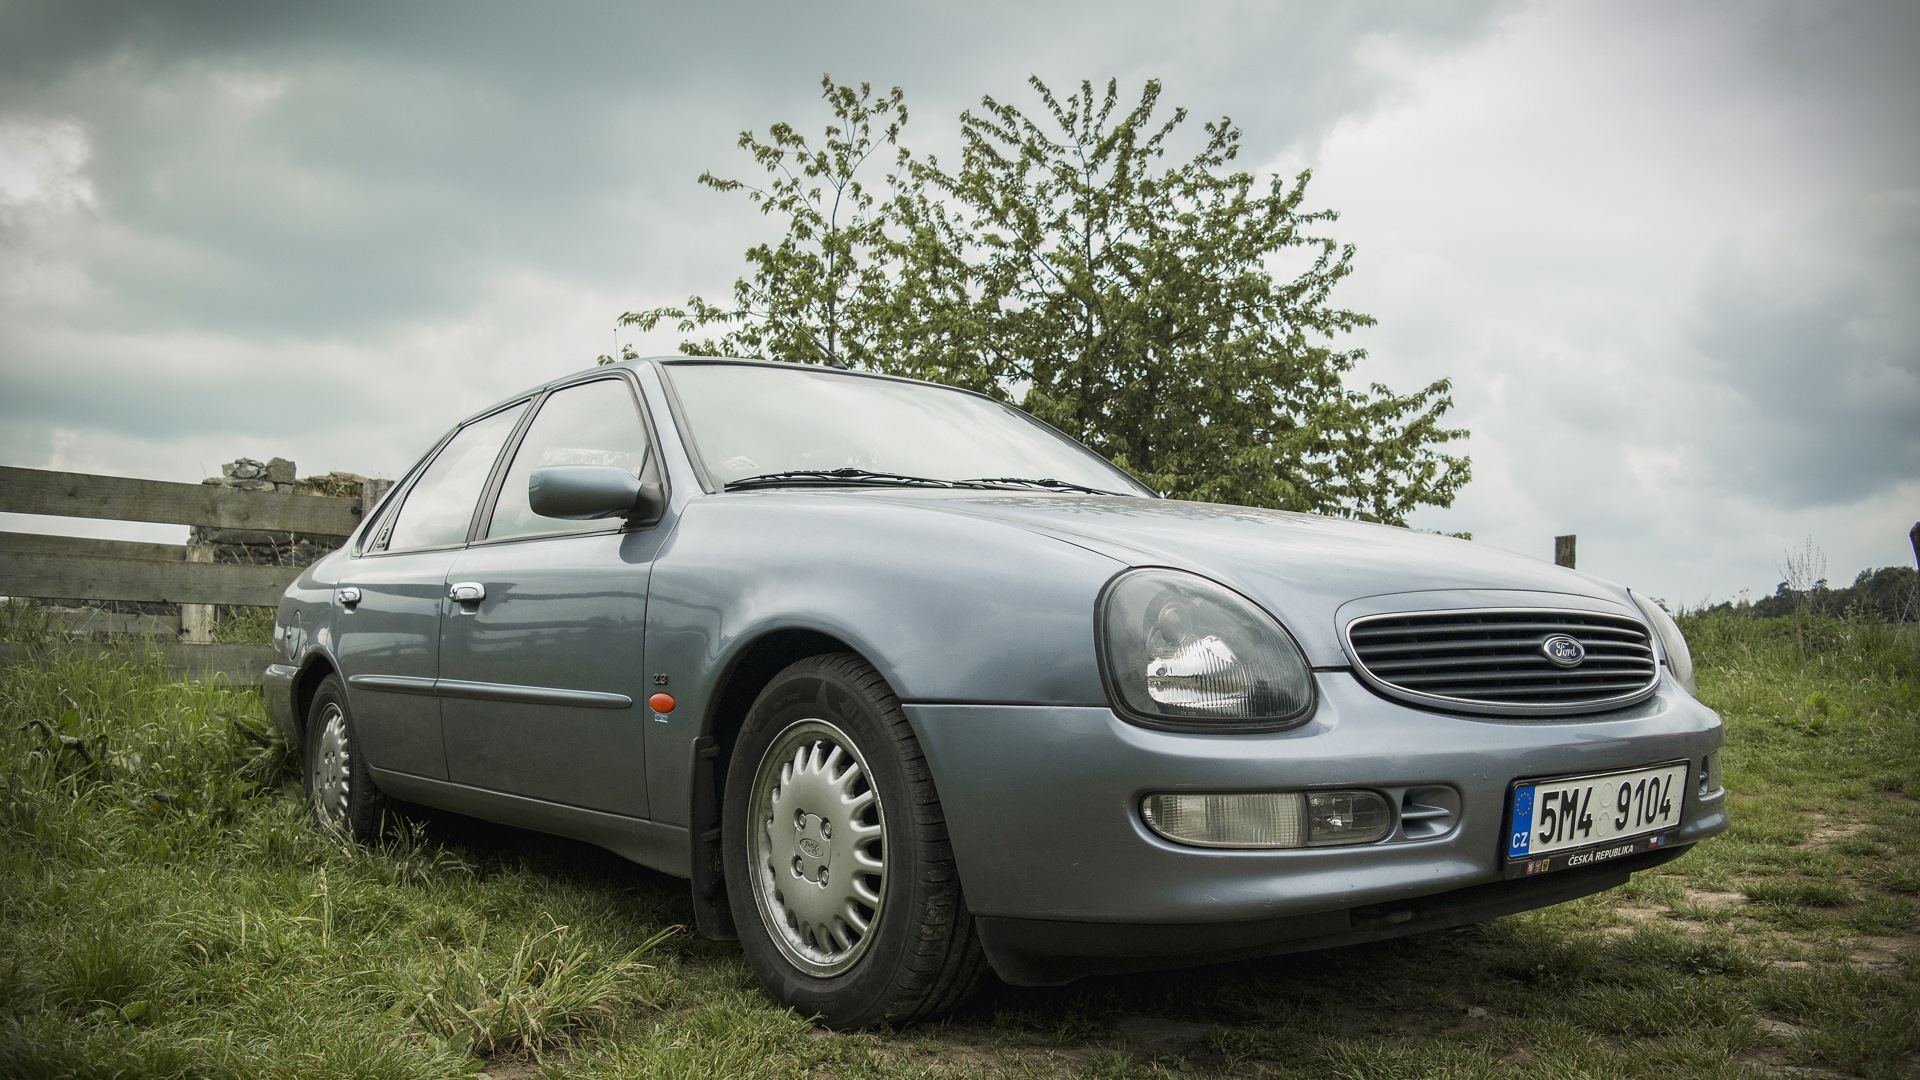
(588, 492)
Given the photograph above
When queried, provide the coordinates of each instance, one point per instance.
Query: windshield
(759, 423)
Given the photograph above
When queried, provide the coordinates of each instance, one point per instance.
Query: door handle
(348, 596)
(466, 592)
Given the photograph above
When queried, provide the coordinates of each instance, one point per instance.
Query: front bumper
(1042, 805)
(1046, 952)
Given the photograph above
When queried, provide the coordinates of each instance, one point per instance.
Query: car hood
(1303, 568)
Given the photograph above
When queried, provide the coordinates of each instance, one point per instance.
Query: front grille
(1493, 662)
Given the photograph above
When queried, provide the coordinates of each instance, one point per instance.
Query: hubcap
(330, 767)
(818, 847)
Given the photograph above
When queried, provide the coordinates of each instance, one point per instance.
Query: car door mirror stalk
(649, 504)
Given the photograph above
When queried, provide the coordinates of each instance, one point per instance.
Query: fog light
(1710, 775)
(1346, 817)
(1267, 819)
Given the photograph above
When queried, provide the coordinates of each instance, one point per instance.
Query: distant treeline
(1891, 593)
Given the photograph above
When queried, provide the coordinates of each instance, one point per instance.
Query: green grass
(243, 625)
(165, 910)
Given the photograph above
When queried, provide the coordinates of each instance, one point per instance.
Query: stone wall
(262, 547)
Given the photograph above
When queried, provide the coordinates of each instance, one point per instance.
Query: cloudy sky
(1669, 253)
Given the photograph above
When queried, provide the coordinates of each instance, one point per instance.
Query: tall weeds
(160, 888)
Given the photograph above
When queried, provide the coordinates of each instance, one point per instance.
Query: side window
(440, 506)
(596, 423)
(375, 538)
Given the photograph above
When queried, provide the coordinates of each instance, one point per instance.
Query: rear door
(543, 688)
(389, 603)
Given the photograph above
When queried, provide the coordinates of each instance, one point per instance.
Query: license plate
(1618, 812)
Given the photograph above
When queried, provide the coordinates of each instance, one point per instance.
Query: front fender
(947, 607)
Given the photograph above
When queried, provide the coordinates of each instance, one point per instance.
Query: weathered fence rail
(191, 575)
(117, 572)
(121, 498)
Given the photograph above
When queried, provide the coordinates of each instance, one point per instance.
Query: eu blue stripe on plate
(1521, 839)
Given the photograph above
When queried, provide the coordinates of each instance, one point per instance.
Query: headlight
(1179, 651)
(1679, 659)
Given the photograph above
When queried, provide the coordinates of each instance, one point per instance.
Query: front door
(543, 686)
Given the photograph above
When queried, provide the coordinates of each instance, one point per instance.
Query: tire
(340, 790)
(839, 871)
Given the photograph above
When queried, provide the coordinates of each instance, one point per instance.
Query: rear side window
(440, 507)
(596, 423)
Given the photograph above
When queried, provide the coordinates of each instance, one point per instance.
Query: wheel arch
(742, 679)
(313, 671)
(753, 666)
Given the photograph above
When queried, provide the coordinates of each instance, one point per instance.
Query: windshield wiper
(847, 475)
(1046, 484)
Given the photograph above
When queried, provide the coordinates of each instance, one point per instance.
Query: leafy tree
(1890, 593)
(810, 296)
(1130, 302)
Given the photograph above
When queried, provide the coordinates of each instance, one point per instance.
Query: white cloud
(44, 190)
(175, 406)
(43, 162)
(1816, 330)
(1623, 245)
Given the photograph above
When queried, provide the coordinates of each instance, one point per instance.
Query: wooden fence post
(196, 620)
(371, 494)
(1563, 551)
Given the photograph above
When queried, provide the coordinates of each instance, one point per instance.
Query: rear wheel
(340, 787)
(839, 870)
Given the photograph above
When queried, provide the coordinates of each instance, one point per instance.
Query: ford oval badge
(1563, 651)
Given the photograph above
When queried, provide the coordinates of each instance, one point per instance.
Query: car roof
(680, 359)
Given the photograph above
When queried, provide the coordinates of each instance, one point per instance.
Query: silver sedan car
(908, 684)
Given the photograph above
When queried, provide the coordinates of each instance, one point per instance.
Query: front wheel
(838, 866)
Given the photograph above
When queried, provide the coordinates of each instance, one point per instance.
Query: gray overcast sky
(1669, 253)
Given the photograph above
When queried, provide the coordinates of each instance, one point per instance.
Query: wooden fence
(65, 567)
